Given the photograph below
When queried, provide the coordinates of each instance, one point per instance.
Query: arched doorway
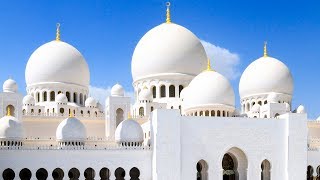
(119, 173)
(25, 174)
(74, 174)
(141, 111)
(8, 174)
(42, 174)
(318, 172)
(309, 173)
(89, 174)
(172, 91)
(57, 174)
(119, 116)
(229, 170)
(134, 174)
(104, 174)
(265, 170)
(202, 170)
(234, 164)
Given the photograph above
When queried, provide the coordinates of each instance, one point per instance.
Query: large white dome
(265, 75)
(10, 85)
(129, 131)
(167, 49)
(71, 129)
(207, 89)
(57, 61)
(11, 128)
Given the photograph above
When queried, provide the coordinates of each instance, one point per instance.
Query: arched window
(38, 97)
(39, 111)
(89, 174)
(8, 174)
(11, 109)
(104, 173)
(61, 110)
(42, 174)
(207, 113)
(265, 102)
(151, 108)
(163, 91)
(248, 107)
(318, 172)
(201, 113)
(45, 96)
(265, 170)
(23, 111)
(154, 92)
(180, 89)
(75, 97)
(68, 96)
(260, 103)
(57, 174)
(134, 173)
(218, 113)
(119, 173)
(25, 174)
(223, 113)
(74, 173)
(81, 98)
(141, 111)
(196, 114)
(119, 116)
(213, 113)
(202, 170)
(229, 169)
(309, 173)
(172, 91)
(52, 96)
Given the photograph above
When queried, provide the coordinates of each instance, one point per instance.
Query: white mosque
(183, 124)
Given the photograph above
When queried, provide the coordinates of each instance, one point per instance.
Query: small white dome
(10, 128)
(255, 108)
(71, 129)
(145, 95)
(168, 49)
(209, 88)
(273, 98)
(265, 75)
(57, 61)
(301, 110)
(117, 90)
(28, 100)
(91, 102)
(10, 85)
(129, 131)
(61, 98)
(287, 106)
(183, 92)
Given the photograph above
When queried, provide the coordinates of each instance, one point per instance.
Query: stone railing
(65, 115)
(90, 138)
(80, 148)
(314, 143)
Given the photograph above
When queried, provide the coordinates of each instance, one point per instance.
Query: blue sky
(106, 33)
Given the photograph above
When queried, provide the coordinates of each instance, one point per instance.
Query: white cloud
(101, 94)
(222, 60)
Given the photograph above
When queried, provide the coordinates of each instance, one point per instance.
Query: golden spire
(208, 65)
(58, 32)
(265, 54)
(168, 20)
(9, 111)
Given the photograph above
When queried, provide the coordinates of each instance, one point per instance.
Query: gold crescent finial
(208, 65)
(265, 53)
(9, 111)
(58, 32)
(168, 20)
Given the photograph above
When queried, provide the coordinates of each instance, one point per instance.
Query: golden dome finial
(265, 53)
(9, 111)
(58, 32)
(208, 65)
(168, 20)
